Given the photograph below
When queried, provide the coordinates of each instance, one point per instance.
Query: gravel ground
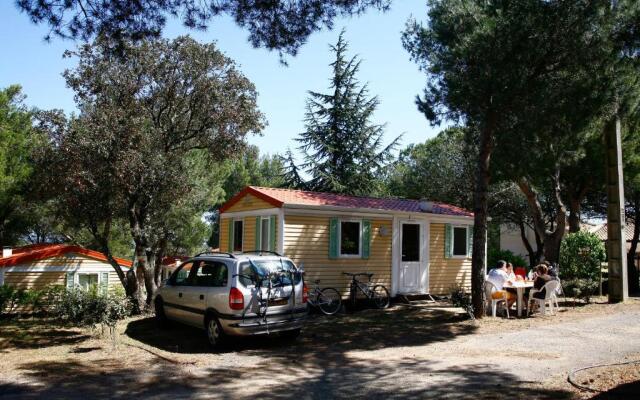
(403, 352)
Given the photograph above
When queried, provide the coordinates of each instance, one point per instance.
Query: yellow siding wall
(41, 280)
(249, 239)
(249, 202)
(445, 272)
(306, 241)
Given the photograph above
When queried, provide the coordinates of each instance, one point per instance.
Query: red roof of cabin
(43, 251)
(279, 197)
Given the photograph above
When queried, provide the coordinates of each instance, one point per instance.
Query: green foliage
(580, 256)
(28, 300)
(343, 150)
(440, 169)
(460, 298)
(494, 255)
(581, 288)
(275, 25)
(89, 308)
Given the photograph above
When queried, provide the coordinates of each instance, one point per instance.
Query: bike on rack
(378, 294)
(328, 300)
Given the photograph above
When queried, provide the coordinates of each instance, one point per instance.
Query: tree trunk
(550, 238)
(634, 284)
(480, 210)
(533, 255)
(574, 215)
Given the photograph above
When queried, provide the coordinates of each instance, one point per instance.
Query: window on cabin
(350, 238)
(238, 232)
(87, 281)
(460, 245)
(265, 229)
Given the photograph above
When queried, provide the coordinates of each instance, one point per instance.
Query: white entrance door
(412, 276)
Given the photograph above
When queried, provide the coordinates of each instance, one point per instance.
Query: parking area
(402, 352)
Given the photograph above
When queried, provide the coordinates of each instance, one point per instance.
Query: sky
(36, 65)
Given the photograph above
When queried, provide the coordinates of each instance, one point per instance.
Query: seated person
(512, 276)
(542, 277)
(499, 276)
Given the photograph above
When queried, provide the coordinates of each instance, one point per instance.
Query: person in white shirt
(499, 276)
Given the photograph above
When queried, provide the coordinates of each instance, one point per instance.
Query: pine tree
(343, 149)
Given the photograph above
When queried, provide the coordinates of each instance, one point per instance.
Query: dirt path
(400, 353)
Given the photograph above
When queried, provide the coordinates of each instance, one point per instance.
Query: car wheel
(290, 335)
(161, 317)
(215, 335)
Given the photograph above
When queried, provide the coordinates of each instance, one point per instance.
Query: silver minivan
(235, 295)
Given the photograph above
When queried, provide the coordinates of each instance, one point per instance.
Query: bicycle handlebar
(369, 274)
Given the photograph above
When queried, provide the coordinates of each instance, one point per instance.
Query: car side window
(211, 274)
(180, 276)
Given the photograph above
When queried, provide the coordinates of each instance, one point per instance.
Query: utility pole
(616, 239)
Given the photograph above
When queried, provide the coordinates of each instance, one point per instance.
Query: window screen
(460, 241)
(264, 234)
(410, 242)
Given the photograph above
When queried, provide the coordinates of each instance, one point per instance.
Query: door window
(181, 276)
(410, 242)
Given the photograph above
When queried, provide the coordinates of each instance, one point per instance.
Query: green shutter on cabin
(230, 233)
(448, 240)
(469, 239)
(333, 238)
(272, 233)
(258, 233)
(104, 282)
(366, 238)
(71, 280)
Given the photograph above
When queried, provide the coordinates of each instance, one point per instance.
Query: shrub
(581, 288)
(580, 256)
(460, 298)
(89, 308)
(496, 255)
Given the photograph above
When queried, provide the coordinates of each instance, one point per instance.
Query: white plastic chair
(549, 297)
(489, 289)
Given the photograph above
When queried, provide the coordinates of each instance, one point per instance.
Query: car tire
(161, 317)
(215, 334)
(290, 335)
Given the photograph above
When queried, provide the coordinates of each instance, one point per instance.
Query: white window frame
(76, 278)
(262, 239)
(340, 255)
(233, 238)
(466, 241)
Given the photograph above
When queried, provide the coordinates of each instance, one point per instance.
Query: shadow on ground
(36, 333)
(625, 391)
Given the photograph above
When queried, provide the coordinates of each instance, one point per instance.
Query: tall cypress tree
(343, 149)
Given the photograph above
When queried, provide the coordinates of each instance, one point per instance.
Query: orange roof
(43, 251)
(279, 197)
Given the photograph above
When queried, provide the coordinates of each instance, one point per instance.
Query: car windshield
(257, 270)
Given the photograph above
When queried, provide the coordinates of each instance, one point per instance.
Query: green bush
(496, 255)
(581, 288)
(580, 256)
(90, 307)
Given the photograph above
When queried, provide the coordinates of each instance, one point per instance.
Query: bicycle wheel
(329, 301)
(380, 296)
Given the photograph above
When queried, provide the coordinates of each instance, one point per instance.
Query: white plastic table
(519, 286)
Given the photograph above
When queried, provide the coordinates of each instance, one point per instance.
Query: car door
(208, 289)
(173, 294)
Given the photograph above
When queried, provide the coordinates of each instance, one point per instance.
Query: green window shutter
(469, 239)
(258, 233)
(230, 243)
(272, 233)
(333, 238)
(104, 283)
(71, 280)
(366, 238)
(448, 240)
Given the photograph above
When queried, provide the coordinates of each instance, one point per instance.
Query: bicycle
(328, 300)
(377, 294)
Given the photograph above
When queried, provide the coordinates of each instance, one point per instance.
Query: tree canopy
(276, 25)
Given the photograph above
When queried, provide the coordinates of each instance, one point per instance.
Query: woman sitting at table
(499, 276)
(542, 277)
